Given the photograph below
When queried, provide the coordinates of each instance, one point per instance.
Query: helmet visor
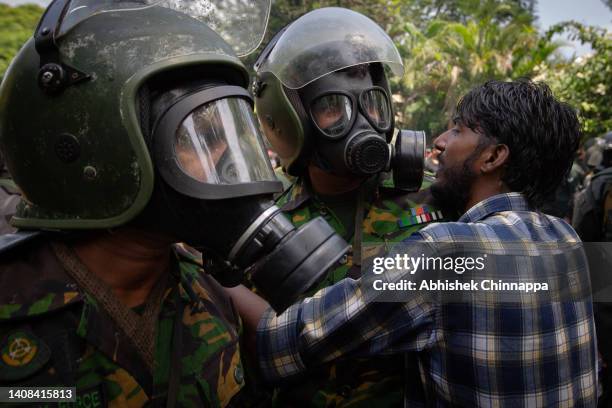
(327, 40)
(332, 113)
(242, 24)
(218, 143)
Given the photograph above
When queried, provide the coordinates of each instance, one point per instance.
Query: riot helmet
(322, 96)
(137, 112)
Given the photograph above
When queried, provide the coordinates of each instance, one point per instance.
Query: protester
(497, 164)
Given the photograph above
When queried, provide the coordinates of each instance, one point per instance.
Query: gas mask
(352, 123)
(215, 194)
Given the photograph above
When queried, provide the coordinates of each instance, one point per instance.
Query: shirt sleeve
(338, 321)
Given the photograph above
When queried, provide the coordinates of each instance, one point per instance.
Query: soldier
(324, 104)
(129, 128)
(593, 215)
(593, 223)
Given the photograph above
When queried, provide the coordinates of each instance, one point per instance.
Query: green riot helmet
(137, 112)
(314, 105)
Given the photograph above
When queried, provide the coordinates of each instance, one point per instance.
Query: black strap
(358, 231)
(177, 341)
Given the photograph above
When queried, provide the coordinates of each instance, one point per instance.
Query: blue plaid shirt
(527, 353)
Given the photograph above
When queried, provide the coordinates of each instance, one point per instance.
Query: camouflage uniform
(53, 334)
(372, 382)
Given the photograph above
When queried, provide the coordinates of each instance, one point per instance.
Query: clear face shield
(328, 40)
(242, 24)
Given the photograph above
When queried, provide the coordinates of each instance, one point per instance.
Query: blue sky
(592, 12)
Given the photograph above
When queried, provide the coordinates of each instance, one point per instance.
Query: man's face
(459, 149)
(200, 160)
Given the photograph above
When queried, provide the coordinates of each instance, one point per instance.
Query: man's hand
(250, 308)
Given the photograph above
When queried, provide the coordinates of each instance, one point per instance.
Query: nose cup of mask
(409, 160)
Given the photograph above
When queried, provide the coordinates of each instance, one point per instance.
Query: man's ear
(494, 157)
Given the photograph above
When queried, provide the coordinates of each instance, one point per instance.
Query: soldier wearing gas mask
(324, 104)
(128, 127)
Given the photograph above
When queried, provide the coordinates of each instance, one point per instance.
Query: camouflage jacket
(390, 216)
(53, 334)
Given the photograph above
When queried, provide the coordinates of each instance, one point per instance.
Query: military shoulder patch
(21, 355)
(419, 215)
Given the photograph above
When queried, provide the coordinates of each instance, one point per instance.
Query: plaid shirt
(530, 353)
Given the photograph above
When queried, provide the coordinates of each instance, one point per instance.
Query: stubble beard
(452, 189)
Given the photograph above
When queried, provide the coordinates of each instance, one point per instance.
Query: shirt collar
(497, 203)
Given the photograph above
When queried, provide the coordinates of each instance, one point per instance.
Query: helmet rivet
(45, 31)
(90, 173)
(51, 77)
(47, 77)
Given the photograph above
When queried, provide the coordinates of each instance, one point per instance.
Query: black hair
(542, 133)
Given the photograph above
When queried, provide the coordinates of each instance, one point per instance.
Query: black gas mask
(352, 122)
(214, 192)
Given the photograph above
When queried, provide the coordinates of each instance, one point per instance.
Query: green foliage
(585, 82)
(484, 40)
(16, 25)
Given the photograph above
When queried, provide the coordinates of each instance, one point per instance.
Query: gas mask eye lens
(192, 159)
(375, 106)
(332, 113)
(217, 143)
